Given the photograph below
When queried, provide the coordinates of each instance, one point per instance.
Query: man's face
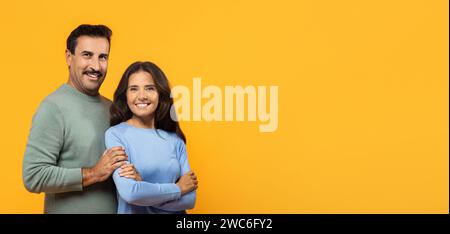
(88, 66)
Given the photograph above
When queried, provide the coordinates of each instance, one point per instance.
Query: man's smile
(93, 75)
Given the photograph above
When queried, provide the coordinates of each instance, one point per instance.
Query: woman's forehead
(141, 78)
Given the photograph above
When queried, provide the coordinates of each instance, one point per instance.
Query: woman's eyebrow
(135, 86)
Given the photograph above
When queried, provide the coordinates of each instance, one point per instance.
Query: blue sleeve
(140, 193)
(186, 201)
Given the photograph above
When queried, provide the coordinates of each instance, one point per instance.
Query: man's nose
(95, 64)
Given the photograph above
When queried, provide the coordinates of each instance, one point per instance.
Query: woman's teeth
(142, 105)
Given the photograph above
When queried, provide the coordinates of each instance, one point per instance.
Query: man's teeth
(93, 75)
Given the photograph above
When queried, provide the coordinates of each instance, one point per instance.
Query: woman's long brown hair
(119, 111)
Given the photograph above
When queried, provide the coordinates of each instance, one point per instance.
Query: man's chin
(92, 89)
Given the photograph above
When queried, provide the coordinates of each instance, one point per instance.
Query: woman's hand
(187, 183)
(129, 171)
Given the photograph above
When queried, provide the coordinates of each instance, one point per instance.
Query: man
(65, 155)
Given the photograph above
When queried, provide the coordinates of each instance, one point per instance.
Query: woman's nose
(142, 96)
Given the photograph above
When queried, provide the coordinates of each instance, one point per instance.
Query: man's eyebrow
(103, 55)
(87, 52)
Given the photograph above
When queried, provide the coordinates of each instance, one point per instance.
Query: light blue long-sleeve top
(161, 159)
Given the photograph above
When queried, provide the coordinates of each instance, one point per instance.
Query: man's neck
(92, 94)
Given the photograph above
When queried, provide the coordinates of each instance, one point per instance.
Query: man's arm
(40, 171)
(89, 177)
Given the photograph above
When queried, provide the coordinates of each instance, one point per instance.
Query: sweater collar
(75, 92)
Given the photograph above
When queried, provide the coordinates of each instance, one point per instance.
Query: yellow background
(363, 96)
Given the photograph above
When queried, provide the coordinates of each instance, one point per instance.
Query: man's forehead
(93, 44)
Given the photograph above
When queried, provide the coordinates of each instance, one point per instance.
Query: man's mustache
(93, 72)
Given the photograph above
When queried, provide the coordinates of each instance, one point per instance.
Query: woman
(142, 124)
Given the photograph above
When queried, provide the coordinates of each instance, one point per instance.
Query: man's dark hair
(87, 30)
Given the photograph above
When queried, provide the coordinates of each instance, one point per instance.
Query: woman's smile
(142, 105)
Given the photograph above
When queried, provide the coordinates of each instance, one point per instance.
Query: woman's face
(142, 96)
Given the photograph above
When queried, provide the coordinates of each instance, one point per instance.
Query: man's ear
(68, 57)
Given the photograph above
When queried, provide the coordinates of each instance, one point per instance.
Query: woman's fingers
(121, 172)
(127, 167)
(118, 164)
(128, 173)
(130, 177)
(189, 173)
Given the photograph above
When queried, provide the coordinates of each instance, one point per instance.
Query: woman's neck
(141, 122)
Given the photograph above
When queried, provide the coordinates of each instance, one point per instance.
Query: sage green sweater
(67, 133)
